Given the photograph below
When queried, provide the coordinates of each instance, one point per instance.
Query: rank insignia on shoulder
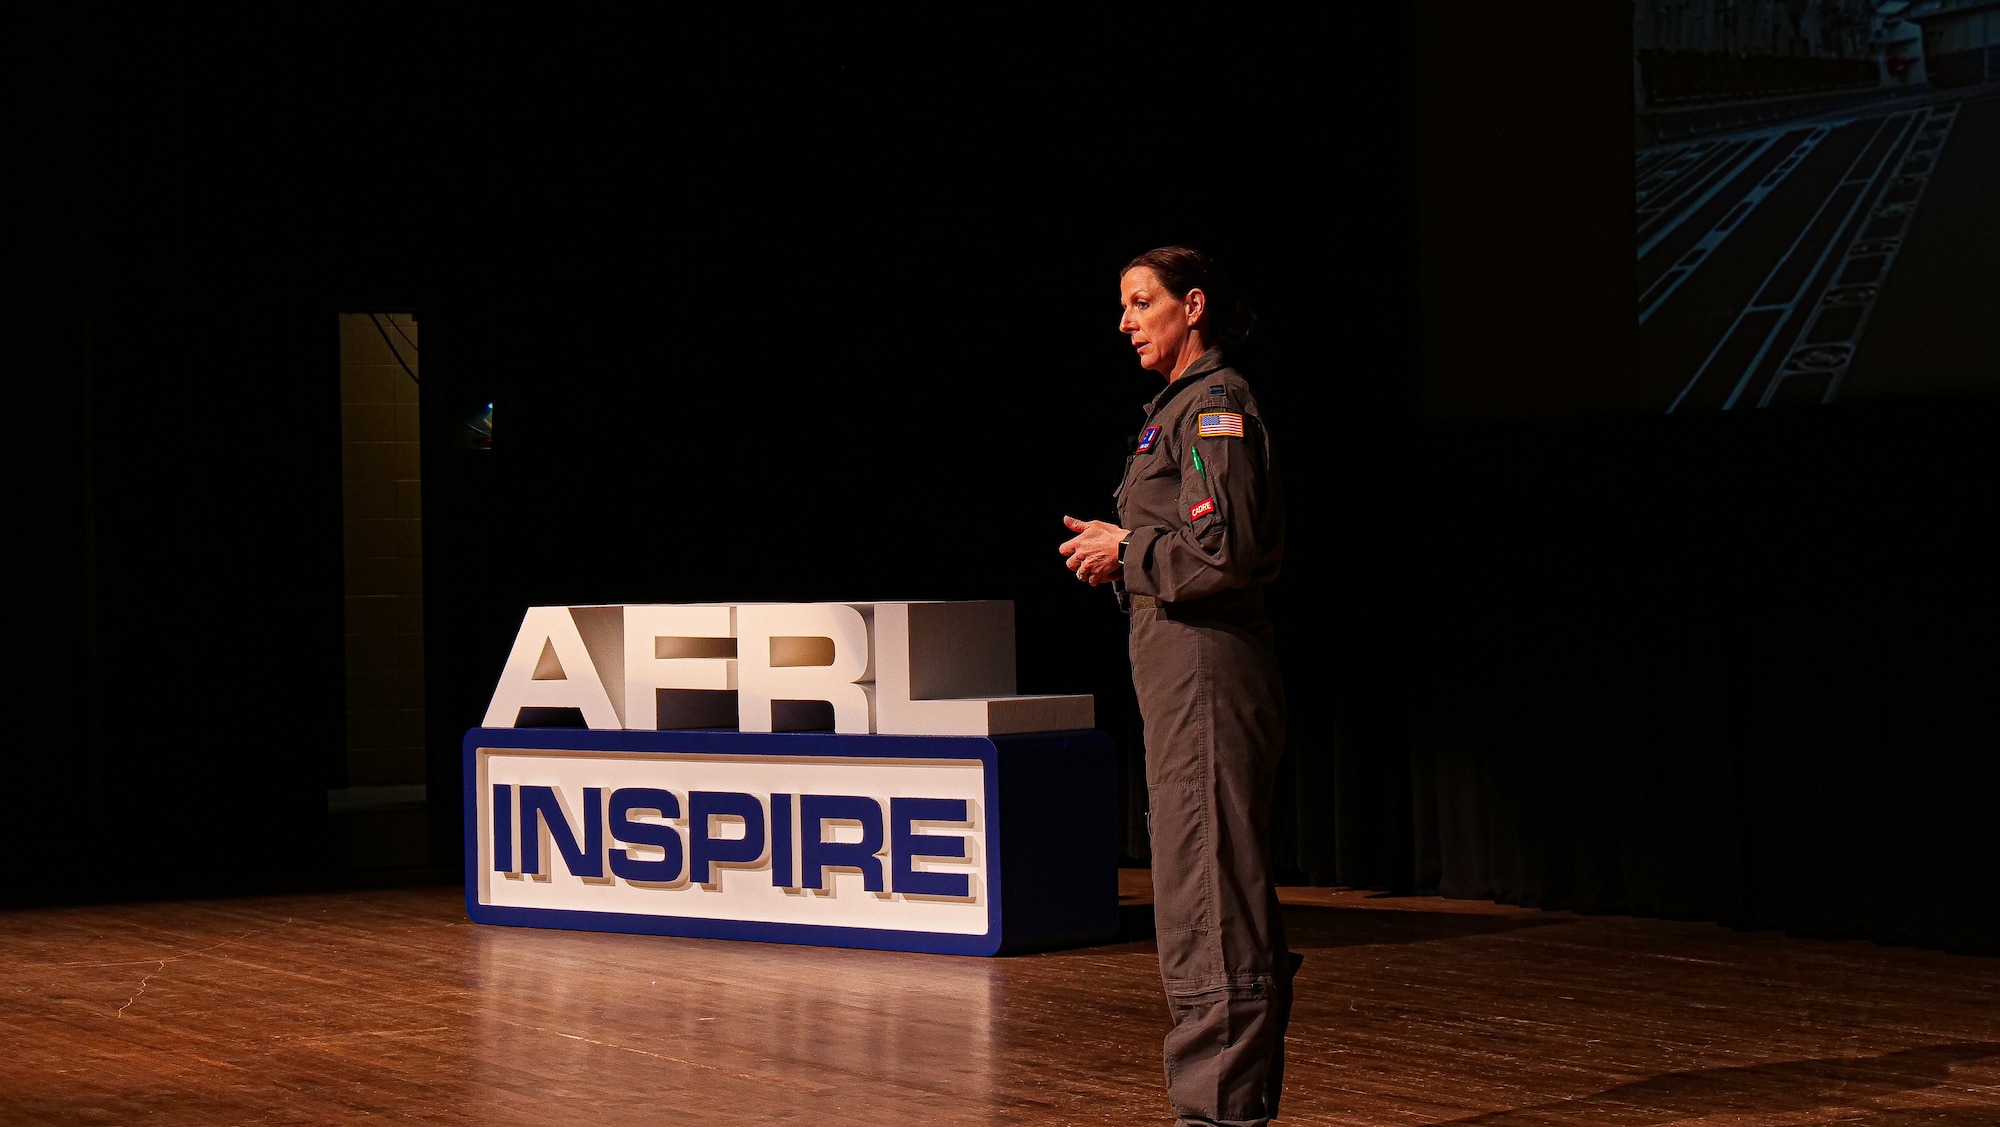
(1201, 508)
(1147, 439)
(1220, 424)
(1217, 389)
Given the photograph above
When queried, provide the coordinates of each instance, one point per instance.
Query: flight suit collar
(1210, 361)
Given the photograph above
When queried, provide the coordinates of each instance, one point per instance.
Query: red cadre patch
(1201, 509)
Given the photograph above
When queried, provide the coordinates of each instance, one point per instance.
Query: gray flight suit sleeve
(1222, 539)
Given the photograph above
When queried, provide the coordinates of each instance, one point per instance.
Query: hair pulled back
(1180, 269)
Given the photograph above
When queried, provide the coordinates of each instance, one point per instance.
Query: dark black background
(817, 307)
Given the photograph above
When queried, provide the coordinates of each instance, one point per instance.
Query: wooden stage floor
(389, 1005)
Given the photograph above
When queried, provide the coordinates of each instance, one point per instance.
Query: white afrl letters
(915, 669)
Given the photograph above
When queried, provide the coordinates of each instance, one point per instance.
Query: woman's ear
(1195, 301)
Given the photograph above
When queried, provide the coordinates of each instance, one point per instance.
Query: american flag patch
(1218, 424)
(1147, 439)
(1202, 508)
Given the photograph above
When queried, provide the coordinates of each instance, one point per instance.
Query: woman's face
(1158, 322)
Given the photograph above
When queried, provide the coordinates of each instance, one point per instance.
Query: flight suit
(1203, 502)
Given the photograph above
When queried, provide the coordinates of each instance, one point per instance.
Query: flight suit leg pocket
(1218, 1055)
(1183, 884)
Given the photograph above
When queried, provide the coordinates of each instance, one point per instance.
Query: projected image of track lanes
(1833, 256)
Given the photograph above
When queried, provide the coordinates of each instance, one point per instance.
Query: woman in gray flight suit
(1200, 533)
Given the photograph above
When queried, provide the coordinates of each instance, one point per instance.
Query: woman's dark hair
(1181, 269)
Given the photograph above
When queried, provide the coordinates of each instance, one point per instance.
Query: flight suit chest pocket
(1145, 469)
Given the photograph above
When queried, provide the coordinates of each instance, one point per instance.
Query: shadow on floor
(1787, 1086)
(1310, 926)
(1313, 926)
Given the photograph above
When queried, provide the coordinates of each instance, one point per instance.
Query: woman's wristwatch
(1122, 545)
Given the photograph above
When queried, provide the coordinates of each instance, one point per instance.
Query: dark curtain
(1734, 671)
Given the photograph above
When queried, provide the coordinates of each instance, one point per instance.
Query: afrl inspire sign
(927, 668)
(733, 833)
(915, 837)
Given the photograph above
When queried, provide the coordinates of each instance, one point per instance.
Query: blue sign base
(1046, 865)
